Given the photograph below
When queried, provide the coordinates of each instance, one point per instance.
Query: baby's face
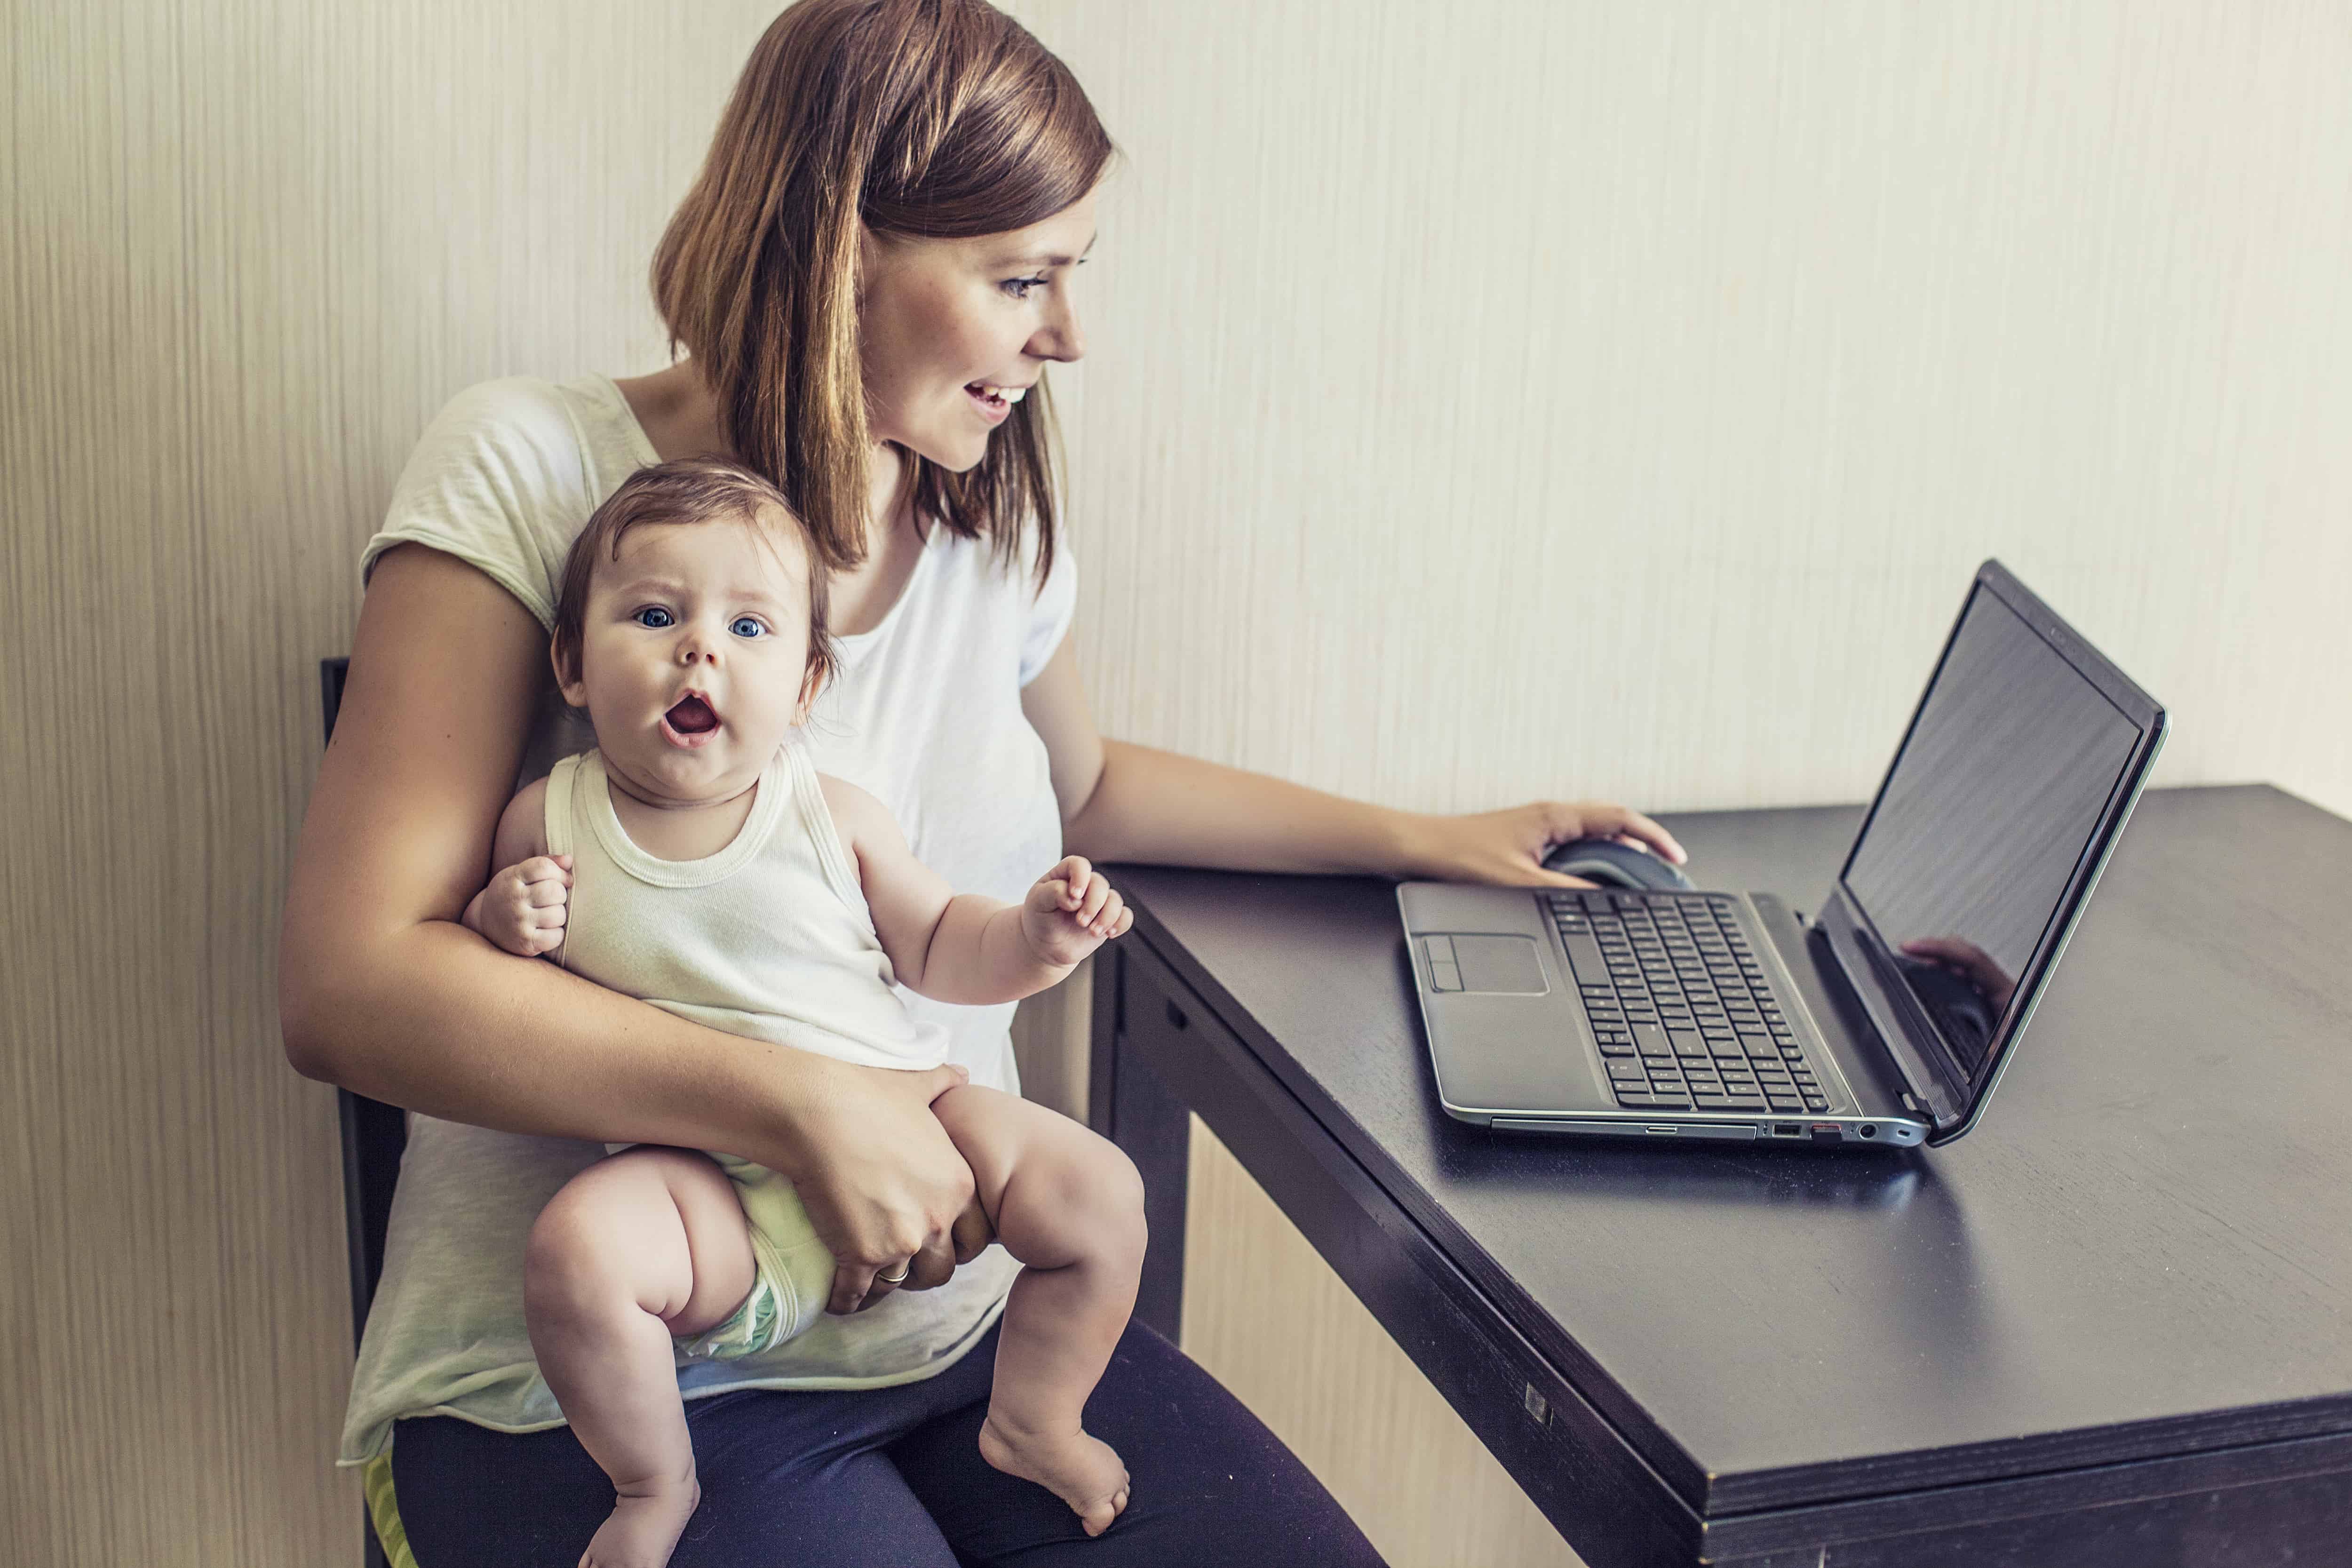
(693, 655)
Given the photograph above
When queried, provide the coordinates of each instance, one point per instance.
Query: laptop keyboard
(1681, 1007)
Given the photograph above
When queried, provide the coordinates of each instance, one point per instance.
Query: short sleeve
(1050, 612)
(498, 481)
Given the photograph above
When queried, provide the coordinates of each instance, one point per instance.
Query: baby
(696, 859)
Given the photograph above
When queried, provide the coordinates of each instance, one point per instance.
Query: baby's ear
(565, 657)
(812, 683)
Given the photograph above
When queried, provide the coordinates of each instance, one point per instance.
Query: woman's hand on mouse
(1507, 848)
(882, 1183)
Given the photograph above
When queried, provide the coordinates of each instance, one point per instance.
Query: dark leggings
(894, 1476)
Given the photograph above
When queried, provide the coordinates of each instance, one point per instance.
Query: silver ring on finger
(899, 1277)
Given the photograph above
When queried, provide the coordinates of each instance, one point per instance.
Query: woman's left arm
(1124, 801)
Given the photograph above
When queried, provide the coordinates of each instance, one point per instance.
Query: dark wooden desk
(2112, 1328)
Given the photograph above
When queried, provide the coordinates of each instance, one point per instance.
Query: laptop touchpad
(1504, 964)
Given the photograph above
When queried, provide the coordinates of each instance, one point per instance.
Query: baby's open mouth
(691, 719)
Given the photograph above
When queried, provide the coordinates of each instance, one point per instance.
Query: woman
(869, 279)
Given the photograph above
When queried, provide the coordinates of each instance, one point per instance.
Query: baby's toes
(1096, 1517)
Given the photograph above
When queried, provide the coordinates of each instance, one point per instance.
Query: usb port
(1788, 1130)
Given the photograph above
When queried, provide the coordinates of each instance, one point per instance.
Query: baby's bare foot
(1083, 1471)
(645, 1527)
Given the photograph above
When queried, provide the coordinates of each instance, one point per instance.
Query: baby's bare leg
(1069, 1205)
(647, 1244)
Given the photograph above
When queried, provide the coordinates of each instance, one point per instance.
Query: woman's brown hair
(691, 489)
(932, 119)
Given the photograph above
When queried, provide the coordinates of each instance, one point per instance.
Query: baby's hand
(523, 909)
(1072, 911)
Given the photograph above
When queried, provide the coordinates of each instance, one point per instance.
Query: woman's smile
(994, 403)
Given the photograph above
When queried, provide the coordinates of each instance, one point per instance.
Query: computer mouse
(1614, 865)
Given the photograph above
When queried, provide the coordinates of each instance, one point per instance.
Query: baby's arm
(963, 947)
(522, 909)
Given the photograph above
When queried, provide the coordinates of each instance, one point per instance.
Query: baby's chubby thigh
(1056, 1193)
(652, 1228)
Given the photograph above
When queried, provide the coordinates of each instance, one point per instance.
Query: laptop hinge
(1934, 1088)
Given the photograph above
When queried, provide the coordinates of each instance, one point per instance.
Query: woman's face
(952, 332)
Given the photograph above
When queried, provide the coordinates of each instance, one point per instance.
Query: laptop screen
(1991, 802)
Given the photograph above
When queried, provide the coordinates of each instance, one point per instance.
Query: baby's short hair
(689, 490)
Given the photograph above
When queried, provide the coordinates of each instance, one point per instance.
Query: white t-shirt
(926, 716)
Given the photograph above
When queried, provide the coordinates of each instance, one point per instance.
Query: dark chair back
(374, 1134)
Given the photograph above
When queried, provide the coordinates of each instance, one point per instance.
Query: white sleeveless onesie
(769, 938)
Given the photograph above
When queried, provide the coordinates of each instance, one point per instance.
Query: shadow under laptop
(1660, 1176)
(1879, 1235)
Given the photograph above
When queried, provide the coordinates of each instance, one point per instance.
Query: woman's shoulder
(505, 473)
(528, 425)
(519, 401)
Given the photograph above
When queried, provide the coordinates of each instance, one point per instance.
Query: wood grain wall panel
(1489, 400)
(250, 246)
(1050, 1037)
(1276, 1325)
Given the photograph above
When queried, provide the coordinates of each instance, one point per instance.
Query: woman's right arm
(381, 990)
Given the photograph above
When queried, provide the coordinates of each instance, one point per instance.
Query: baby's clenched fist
(524, 906)
(1071, 911)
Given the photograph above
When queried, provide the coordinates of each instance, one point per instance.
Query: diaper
(793, 1271)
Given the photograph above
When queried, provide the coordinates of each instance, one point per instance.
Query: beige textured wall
(1488, 400)
(1506, 397)
(249, 246)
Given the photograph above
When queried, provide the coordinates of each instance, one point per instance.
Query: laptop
(1889, 1016)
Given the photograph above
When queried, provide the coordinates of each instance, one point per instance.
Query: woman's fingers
(1507, 848)
(972, 1231)
(853, 1284)
(1601, 820)
(929, 1266)
(934, 1266)
(860, 1285)
(882, 1183)
(1648, 833)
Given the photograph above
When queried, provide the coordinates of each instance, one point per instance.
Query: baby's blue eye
(652, 616)
(747, 626)
(1019, 287)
